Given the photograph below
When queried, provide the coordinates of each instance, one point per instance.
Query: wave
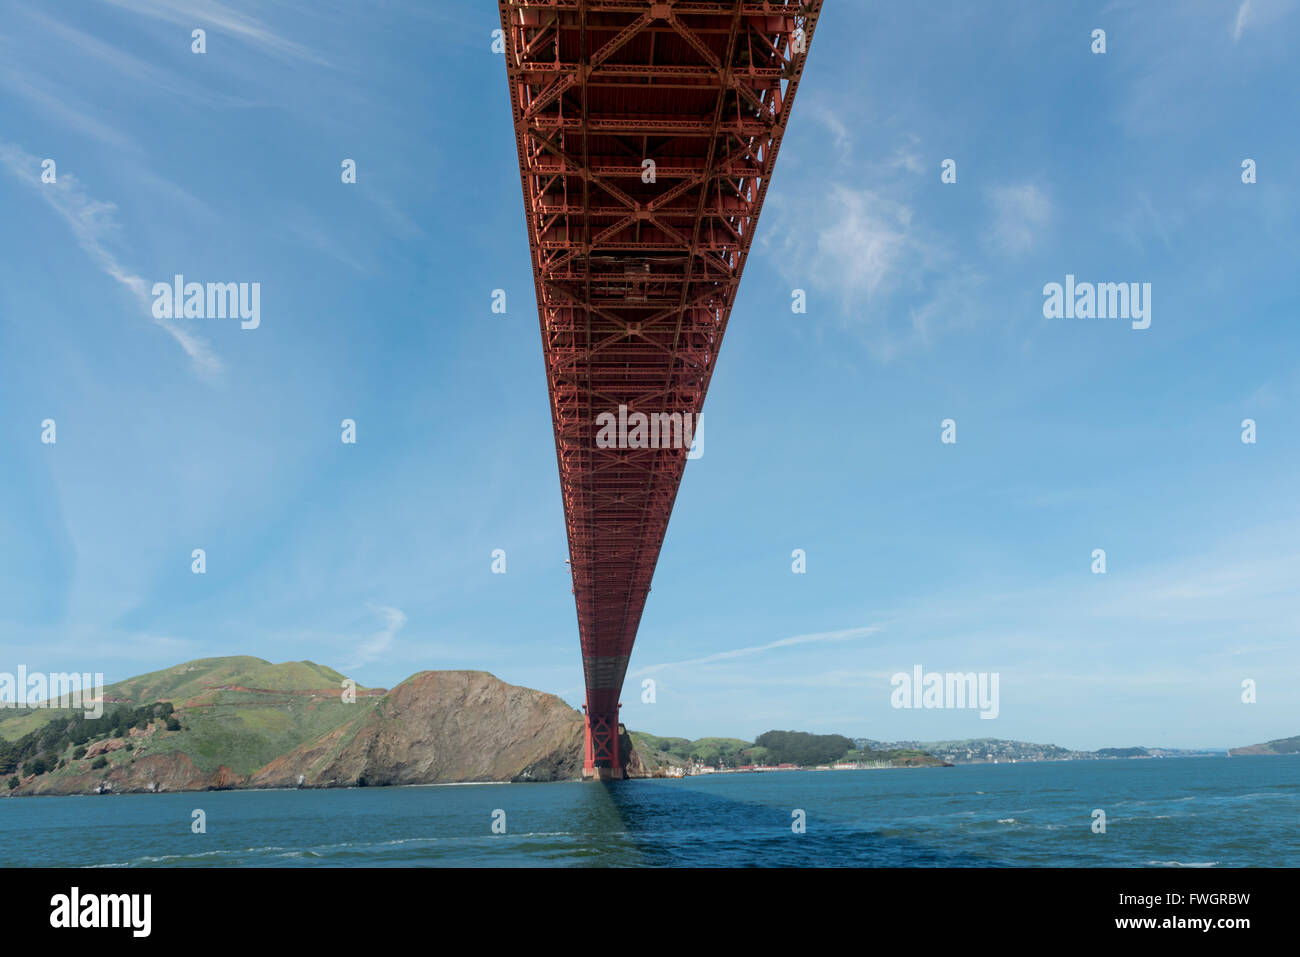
(1181, 863)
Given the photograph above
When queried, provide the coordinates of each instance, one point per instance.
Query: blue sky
(822, 429)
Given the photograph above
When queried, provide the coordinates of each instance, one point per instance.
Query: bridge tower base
(601, 760)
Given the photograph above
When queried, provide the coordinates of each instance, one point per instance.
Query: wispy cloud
(900, 284)
(93, 224)
(1020, 214)
(66, 41)
(87, 47)
(211, 15)
(1240, 23)
(865, 245)
(847, 634)
(839, 132)
(1258, 13)
(859, 243)
(1141, 220)
(63, 108)
(315, 236)
(394, 620)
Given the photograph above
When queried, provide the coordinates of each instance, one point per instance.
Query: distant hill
(988, 750)
(799, 747)
(658, 753)
(1277, 746)
(982, 750)
(1123, 753)
(772, 748)
(245, 722)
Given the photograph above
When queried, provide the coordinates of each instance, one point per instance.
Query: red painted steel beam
(635, 276)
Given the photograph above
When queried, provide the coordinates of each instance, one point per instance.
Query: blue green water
(1205, 812)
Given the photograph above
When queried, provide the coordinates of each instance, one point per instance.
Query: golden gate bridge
(647, 133)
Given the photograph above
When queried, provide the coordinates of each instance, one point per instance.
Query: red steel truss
(636, 265)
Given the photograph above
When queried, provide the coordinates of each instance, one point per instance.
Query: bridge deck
(647, 133)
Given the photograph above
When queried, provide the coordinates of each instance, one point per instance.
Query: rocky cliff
(440, 726)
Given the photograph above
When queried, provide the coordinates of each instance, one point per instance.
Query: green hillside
(1276, 746)
(195, 678)
(191, 684)
(20, 721)
(186, 679)
(712, 751)
(244, 731)
(776, 747)
(240, 712)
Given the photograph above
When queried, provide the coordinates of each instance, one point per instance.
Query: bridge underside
(646, 133)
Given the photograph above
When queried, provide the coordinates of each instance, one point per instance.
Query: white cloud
(863, 247)
(61, 41)
(210, 15)
(839, 132)
(857, 242)
(1256, 13)
(59, 106)
(847, 634)
(1240, 24)
(1142, 220)
(394, 620)
(899, 284)
(1020, 214)
(93, 224)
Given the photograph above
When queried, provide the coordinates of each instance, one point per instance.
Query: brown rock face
(634, 766)
(441, 726)
(103, 747)
(151, 773)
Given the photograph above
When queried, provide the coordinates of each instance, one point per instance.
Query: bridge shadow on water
(650, 823)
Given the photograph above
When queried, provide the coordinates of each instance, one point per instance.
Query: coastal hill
(1277, 746)
(441, 726)
(771, 749)
(244, 722)
(994, 750)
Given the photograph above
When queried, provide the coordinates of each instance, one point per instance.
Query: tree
(799, 747)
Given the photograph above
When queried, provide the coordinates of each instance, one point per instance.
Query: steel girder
(635, 267)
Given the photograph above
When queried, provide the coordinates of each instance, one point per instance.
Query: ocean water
(1187, 812)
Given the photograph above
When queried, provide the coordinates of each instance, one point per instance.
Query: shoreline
(451, 784)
